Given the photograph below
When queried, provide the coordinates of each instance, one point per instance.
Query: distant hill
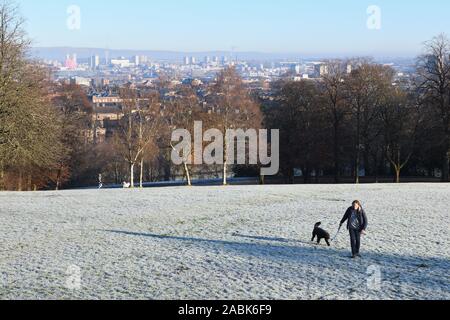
(59, 53)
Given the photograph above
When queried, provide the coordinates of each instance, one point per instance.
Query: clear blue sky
(300, 26)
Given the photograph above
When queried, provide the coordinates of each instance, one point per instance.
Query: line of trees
(364, 122)
(347, 124)
(144, 133)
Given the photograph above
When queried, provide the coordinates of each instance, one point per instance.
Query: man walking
(357, 225)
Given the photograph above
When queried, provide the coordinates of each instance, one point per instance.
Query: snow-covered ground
(249, 242)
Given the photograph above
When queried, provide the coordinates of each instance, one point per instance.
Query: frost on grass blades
(222, 148)
(73, 280)
(223, 243)
(374, 278)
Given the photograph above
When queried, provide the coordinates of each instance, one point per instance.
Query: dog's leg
(318, 240)
(328, 242)
(314, 236)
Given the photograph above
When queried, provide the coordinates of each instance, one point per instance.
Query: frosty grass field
(223, 243)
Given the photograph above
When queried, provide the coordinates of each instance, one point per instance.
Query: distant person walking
(100, 181)
(357, 225)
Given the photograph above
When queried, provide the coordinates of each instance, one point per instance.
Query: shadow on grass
(253, 247)
(411, 271)
(270, 239)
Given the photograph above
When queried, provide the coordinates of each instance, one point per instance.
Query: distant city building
(71, 61)
(136, 60)
(296, 68)
(190, 61)
(121, 62)
(100, 82)
(143, 59)
(81, 81)
(349, 68)
(95, 62)
(111, 101)
(107, 62)
(320, 70)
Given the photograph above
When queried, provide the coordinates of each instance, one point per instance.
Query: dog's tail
(317, 224)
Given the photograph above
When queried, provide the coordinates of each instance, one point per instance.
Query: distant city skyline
(60, 53)
(327, 27)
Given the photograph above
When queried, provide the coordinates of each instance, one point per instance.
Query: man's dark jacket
(362, 218)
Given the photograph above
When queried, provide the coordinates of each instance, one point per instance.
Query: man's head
(356, 205)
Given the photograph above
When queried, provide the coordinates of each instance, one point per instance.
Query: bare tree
(367, 85)
(434, 70)
(334, 92)
(138, 127)
(182, 113)
(75, 118)
(232, 108)
(299, 117)
(401, 115)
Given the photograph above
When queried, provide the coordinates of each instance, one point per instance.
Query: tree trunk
(94, 130)
(167, 169)
(188, 175)
(377, 174)
(291, 177)
(446, 144)
(225, 163)
(225, 181)
(132, 175)
(377, 166)
(446, 163)
(19, 184)
(262, 179)
(116, 174)
(2, 178)
(336, 155)
(445, 170)
(306, 174)
(358, 145)
(29, 183)
(58, 180)
(141, 175)
(367, 168)
(397, 174)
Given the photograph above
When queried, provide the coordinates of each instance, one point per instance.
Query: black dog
(320, 234)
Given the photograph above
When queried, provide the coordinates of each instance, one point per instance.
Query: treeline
(140, 148)
(364, 123)
(350, 123)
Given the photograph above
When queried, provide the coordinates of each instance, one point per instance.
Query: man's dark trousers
(355, 239)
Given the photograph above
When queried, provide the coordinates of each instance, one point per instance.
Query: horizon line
(348, 54)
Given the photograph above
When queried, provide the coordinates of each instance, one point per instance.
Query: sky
(394, 27)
